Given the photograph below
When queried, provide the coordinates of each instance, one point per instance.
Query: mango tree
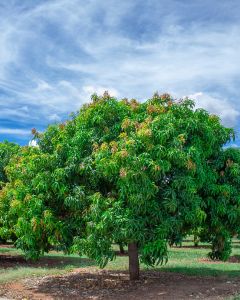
(221, 197)
(7, 151)
(150, 175)
(49, 188)
(117, 171)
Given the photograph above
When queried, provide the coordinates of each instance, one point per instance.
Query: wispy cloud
(54, 54)
(14, 131)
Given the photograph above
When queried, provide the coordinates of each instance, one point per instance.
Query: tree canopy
(7, 150)
(124, 172)
(221, 196)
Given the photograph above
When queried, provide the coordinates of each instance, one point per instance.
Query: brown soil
(6, 246)
(91, 283)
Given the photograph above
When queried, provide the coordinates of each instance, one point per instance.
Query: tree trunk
(121, 248)
(133, 261)
(196, 240)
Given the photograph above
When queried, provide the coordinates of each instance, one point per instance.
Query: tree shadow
(234, 259)
(116, 284)
(206, 271)
(47, 262)
(236, 242)
(118, 253)
(86, 285)
(192, 247)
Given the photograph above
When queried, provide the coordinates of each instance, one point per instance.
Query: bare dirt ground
(91, 283)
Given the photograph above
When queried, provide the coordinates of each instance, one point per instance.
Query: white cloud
(221, 107)
(15, 131)
(54, 118)
(89, 90)
(33, 143)
(42, 85)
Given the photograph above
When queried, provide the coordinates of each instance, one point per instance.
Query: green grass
(5, 250)
(191, 264)
(187, 260)
(51, 264)
(190, 261)
(25, 272)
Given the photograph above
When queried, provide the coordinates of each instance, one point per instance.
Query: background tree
(7, 151)
(50, 185)
(221, 197)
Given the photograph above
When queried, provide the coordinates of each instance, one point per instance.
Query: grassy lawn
(186, 260)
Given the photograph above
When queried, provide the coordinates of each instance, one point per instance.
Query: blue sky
(55, 54)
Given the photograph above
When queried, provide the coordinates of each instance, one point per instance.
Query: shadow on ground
(57, 262)
(116, 285)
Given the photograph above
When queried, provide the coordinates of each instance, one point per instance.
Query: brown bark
(121, 248)
(133, 261)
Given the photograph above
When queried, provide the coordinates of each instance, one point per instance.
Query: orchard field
(189, 274)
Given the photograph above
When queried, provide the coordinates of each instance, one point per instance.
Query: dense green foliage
(125, 172)
(7, 151)
(51, 186)
(221, 197)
